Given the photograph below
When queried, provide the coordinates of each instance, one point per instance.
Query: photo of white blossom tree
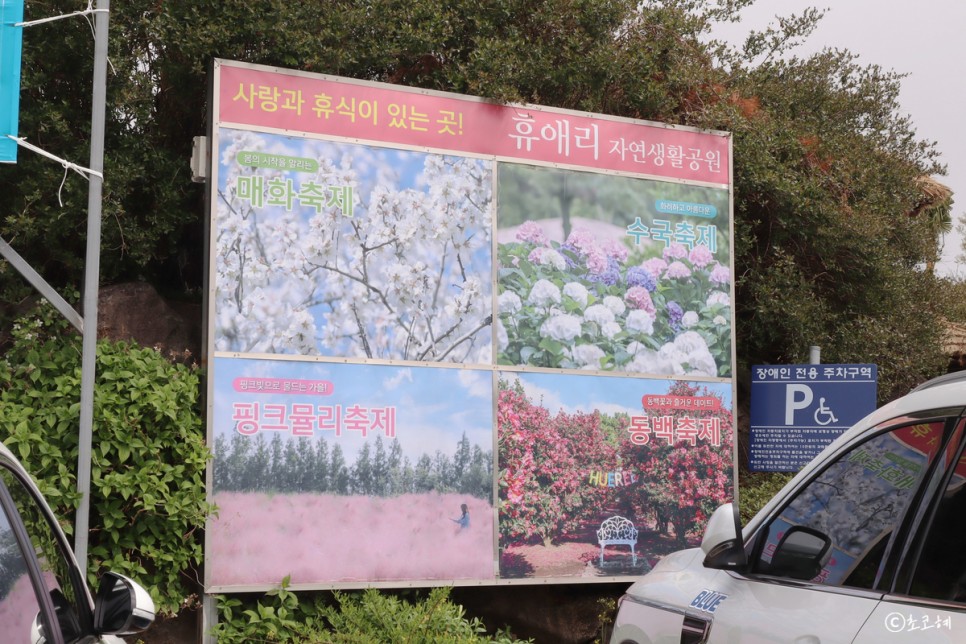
(336, 249)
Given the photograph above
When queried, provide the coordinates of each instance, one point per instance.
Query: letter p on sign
(793, 402)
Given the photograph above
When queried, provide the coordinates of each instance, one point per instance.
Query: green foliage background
(147, 503)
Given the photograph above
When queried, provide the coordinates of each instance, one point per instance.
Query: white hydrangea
(615, 304)
(544, 293)
(640, 321)
(509, 303)
(599, 314)
(719, 298)
(610, 329)
(689, 319)
(562, 328)
(588, 355)
(577, 292)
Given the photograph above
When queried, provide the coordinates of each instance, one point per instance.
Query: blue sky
(608, 394)
(434, 405)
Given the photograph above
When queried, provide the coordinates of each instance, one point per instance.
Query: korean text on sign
(305, 419)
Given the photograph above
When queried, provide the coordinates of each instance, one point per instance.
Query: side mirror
(122, 607)
(801, 554)
(723, 545)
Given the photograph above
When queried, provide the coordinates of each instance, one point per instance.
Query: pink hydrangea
(583, 240)
(655, 266)
(675, 251)
(531, 232)
(700, 256)
(677, 270)
(596, 261)
(720, 275)
(615, 250)
(640, 298)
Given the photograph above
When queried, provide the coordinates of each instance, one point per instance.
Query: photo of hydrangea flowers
(612, 273)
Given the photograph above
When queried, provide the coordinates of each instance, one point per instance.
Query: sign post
(797, 410)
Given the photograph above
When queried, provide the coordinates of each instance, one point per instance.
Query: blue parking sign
(11, 41)
(797, 410)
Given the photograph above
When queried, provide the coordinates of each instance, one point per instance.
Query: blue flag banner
(11, 40)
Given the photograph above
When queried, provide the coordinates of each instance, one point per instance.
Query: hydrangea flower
(599, 314)
(674, 251)
(677, 270)
(639, 298)
(547, 257)
(720, 275)
(544, 293)
(531, 232)
(640, 321)
(689, 320)
(615, 250)
(675, 313)
(719, 298)
(610, 329)
(615, 304)
(700, 256)
(597, 261)
(655, 266)
(588, 355)
(639, 276)
(509, 303)
(562, 328)
(583, 240)
(577, 292)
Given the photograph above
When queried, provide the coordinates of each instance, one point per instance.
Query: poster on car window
(388, 265)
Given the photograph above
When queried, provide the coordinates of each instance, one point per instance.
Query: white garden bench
(617, 531)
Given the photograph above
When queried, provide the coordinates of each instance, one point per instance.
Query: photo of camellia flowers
(336, 249)
(612, 273)
(600, 476)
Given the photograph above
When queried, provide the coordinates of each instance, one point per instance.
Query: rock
(135, 311)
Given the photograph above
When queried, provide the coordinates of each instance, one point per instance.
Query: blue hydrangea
(674, 314)
(610, 276)
(569, 252)
(637, 276)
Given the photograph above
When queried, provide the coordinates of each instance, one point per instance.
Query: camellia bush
(585, 304)
(543, 460)
(147, 498)
(682, 484)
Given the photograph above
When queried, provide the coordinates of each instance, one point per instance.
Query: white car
(44, 599)
(866, 544)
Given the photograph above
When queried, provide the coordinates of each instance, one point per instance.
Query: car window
(19, 604)
(940, 572)
(858, 502)
(60, 576)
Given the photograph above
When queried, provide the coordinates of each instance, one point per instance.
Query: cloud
(392, 383)
(479, 384)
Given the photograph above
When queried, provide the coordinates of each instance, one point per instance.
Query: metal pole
(91, 278)
(814, 355)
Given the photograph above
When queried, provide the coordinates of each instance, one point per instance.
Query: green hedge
(147, 502)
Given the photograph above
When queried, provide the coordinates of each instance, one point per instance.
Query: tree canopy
(829, 237)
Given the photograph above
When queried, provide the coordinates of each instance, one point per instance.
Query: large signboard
(797, 410)
(451, 340)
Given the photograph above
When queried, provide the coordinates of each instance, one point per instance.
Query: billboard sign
(405, 285)
(797, 410)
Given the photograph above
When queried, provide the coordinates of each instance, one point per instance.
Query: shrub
(147, 498)
(367, 616)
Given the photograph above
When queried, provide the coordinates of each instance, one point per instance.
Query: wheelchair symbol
(824, 415)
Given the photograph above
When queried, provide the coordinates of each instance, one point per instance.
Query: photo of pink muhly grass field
(260, 538)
